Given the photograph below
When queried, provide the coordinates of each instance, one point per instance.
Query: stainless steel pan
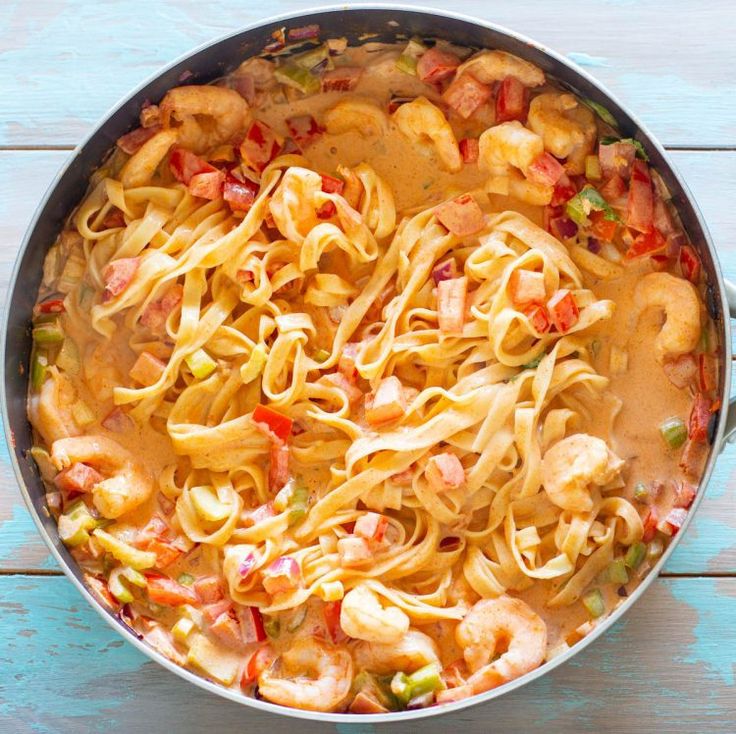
(212, 61)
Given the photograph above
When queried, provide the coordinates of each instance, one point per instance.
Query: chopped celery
(72, 532)
(182, 629)
(401, 688)
(594, 603)
(321, 355)
(425, 680)
(117, 588)
(124, 552)
(297, 619)
(255, 364)
(201, 364)
(655, 549)
(635, 555)
(641, 492)
(207, 505)
(68, 357)
(272, 627)
(135, 577)
(298, 78)
(49, 332)
(533, 363)
(43, 462)
(593, 168)
(332, 590)
(185, 579)
(602, 112)
(316, 57)
(298, 502)
(617, 573)
(82, 414)
(674, 432)
(39, 368)
(407, 64)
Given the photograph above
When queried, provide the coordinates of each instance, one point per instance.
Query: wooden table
(667, 667)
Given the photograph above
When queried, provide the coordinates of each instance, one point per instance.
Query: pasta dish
(370, 378)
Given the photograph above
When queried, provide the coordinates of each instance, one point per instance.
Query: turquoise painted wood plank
(65, 62)
(667, 666)
(711, 543)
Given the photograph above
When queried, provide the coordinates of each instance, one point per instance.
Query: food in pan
(370, 378)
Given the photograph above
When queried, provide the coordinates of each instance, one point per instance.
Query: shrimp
(129, 483)
(566, 126)
(413, 651)
(312, 675)
(356, 114)
(494, 66)
(140, 167)
(423, 122)
(100, 373)
(508, 144)
(572, 465)
(49, 408)
(678, 298)
(363, 617)
(208, 116)
(507, 623)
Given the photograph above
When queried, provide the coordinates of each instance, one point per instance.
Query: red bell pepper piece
(545, 169)
(184, 165)
(647, 244)
(512, 100)
(435, 65)
(689, 264)
(332, 185)
(563, 310)
(260, 146)
(539, 318)
(650, 524)
(465, 94)
(602, 228)
(469, 149)
(332, 611)
(277, 423)
(640, 204)
(697, 428)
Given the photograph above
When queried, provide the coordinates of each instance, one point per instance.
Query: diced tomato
(512, 101)
(251, 624)
(117, 276)
(692, 458)
(166, 591)
(278, 468)
(260, 145)
(332, 185)
(207, 185)
(707, 373)
(451, 299)
(650, 524)
(156, 312)
(346, 365)
(563, 191)
(240, 195)
(466, 94)
(304, 129)
(684, 494)
(689, 264)
(52, 305)
(371, 526)
(77, 479)
(133, 141)
(614, 189)
(277, 423)
(616, 159)
(435, 65)
(258, 662)
(697, 429)
(147, 369)
(681, 371)
(444, 472)
(331, 612)
(462, 216)
(118, 421)
(166, 553)
(469, 149)
(563, 310)
(640, 204)
(527, 288)
(341, 79)
(209, 588)
(663, 219)
(545, 170)
(602, 228)
(353, 551)
(184, 164)
(227, 630)
(387, 403)
(327, 210)
(281, 575)
(646, 243)
(212, 611)
(539, 318)
(114, 218)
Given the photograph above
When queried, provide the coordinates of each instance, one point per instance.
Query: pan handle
(730, 431)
